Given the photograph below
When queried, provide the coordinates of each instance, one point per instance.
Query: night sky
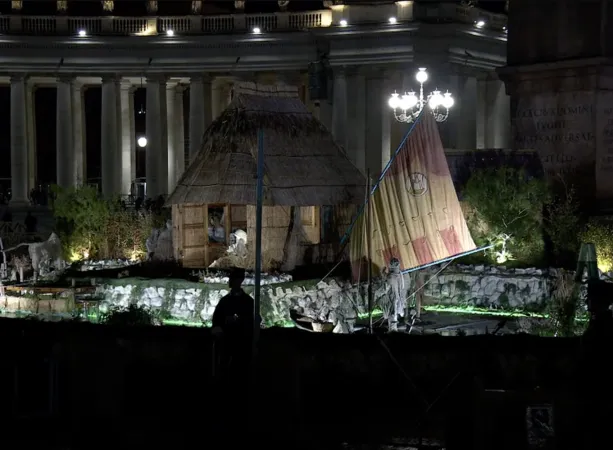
(45, 98)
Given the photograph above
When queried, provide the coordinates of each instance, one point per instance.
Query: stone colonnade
(357, 114)
(165, 149)
(361, 121)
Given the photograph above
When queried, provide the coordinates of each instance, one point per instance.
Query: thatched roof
(303, 164)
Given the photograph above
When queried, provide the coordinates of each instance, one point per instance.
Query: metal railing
(150, 26)
(201, 24)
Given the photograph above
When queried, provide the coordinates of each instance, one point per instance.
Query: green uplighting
(474, 310)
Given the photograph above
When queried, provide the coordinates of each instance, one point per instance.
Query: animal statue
(3, 263)
(151, 242)
(236, 253)
(395, 281)
(44, 255)
(238, 244)
(163, 245)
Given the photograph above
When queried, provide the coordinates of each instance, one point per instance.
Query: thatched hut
(311, 188)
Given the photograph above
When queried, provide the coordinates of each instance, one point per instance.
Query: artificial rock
(340, 302)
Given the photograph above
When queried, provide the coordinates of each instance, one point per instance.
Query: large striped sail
(415, 213)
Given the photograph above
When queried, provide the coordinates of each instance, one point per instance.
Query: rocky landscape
(341, 302)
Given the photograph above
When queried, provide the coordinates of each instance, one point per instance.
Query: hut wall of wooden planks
(202, 233)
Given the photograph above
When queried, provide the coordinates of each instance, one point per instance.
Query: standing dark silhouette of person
(233, 321)
(30, 222)
(233, 324)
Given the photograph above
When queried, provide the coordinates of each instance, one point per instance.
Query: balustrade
(202, 24)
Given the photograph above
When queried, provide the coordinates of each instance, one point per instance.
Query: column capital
(18, 76)
(125, 84)
(65, 78)
(202, 78)
(292, 76)
(170, 85)
(156, 78)
(374, 73)
(78, 83)
(247, 76)
(353, 70)
(111, 78)
(339, 71)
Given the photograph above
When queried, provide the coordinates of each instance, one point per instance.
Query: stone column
(292, 78)
(493, 115)
(325, 113)
(482, 110)
(374, 123)
(180, 134)
(19, 142)
(339, 107)
(499, 116)
(176, 139)
(64, 138)
(464, 121)
(134, 139)
(79, 132)
(128, 143)
(356, 119)
(218, 92)
(386, 123)
(157, 138)
(110, 138)
(200, 112)
(31, 135)
(397, 84)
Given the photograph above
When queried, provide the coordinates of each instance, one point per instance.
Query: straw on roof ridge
(303, 164)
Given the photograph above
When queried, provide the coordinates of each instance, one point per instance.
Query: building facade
(369, 50)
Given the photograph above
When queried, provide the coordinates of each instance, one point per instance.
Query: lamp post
(142, 142)
(408, 106)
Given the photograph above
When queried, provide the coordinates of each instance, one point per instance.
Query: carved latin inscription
(561, 127)
(604, 151)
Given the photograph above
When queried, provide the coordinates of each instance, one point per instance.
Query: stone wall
(489, 287)
(334, 301)
(196, 302)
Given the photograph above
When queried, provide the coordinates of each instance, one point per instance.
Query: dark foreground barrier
(89, 386)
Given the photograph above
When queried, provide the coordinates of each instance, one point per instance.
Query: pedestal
(564, 111)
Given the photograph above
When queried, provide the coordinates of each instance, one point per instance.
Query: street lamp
(142, 142)
(408, 107)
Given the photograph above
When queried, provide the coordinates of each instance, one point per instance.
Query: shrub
(131, 316)
(566, 311)
(91, 226)
(471, 162)
(126, 233)
(507, 207)
(81, 216)
(600, 233)
(563, 227)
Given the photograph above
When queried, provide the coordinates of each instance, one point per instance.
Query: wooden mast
(258, 241)
(368, 249)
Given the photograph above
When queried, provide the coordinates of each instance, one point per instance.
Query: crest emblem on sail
(417, 184)
(415, 213)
